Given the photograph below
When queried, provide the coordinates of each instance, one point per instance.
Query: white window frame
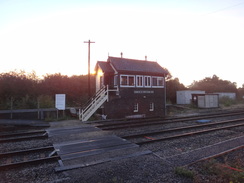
(127, 80)
(135, 107)
(158, 79)
(146, 79)
(138, 83)
(151, 106)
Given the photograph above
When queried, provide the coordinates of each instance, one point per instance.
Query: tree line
(208, 84)
(26, 91)
(20, 90)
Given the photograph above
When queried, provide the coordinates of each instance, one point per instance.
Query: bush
(184, 172)
(46, 101)
(227, 101)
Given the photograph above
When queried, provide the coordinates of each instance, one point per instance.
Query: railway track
(159, 121)
(19, 136)
(27, 157)
(150, 137)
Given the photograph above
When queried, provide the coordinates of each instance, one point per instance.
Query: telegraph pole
(89, 80)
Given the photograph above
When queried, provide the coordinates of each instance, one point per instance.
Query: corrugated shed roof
(137, 66)
(105, 66)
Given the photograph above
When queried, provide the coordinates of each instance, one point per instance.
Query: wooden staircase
(94, 103)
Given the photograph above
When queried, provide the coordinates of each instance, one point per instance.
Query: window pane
(151, 107)
(123, 80)
(139, 80)
(147, 81)
(136, 107)
(131, 81)
(160, 82)
(154, 81)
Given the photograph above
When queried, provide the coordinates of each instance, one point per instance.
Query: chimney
(121, 54)
(145, 58)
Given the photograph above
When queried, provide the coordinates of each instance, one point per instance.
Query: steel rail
(16, 153)
(128, 121)
(45, 135)
(22, 133)
(29, 162)
(187, 134)
(181, 128)
(25, 151)
(216, 155)
(163, 121)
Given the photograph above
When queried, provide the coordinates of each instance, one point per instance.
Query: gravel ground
(153, 167)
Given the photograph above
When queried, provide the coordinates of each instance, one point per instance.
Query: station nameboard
(143, 92)
(60, 101)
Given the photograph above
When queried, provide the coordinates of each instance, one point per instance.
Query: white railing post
(107, 94)
(100, 97)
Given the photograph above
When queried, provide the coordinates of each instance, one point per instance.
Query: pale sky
(193, 39)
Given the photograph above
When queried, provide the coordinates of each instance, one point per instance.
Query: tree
(214, 84)
(172, 86)
(18, 88)
(26, 90)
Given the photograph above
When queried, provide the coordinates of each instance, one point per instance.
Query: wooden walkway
(92, 150)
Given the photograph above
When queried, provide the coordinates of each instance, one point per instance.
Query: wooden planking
(95, 151)
(82, 148)
(101, 143)
(92, 146)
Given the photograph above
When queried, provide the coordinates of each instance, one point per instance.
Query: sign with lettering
(60, 101)
(143, 92)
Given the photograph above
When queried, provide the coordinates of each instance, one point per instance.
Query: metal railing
(94, 103)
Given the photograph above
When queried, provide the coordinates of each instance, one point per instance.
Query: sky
(192, 39)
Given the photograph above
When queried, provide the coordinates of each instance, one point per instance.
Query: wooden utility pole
(89, 75)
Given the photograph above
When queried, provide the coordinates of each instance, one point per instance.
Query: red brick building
(128, 88)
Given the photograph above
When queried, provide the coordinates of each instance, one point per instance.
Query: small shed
(206, 100)
(185, 96)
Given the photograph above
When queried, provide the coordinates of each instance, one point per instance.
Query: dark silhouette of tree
(172, 86)
(19, 88)
(26, 90)
(241, 92)
(214, 84)
(75, 87)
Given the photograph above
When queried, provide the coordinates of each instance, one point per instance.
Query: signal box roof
(132, 66)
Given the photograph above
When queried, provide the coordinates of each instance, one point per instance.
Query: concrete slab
(70, 167)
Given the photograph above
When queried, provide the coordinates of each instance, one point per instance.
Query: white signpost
(60, 102)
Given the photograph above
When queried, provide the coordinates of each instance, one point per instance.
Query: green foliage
(25, 102)
(227, 101)
(46, 101)
(184, 172)
(212, 167)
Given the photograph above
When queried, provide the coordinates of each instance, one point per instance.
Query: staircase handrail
(94, 100)
(94, 96)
